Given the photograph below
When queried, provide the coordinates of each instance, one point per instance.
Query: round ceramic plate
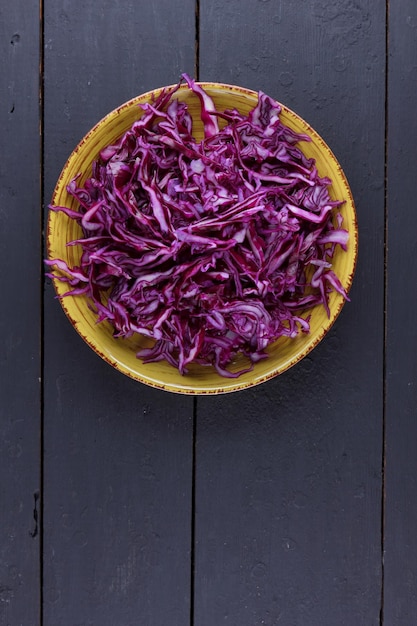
(121, 353)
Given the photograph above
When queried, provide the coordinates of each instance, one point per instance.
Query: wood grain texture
(400, 595)
(20, 262)
(288, 483)
(118, 455)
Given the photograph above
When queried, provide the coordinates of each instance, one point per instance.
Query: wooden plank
(400, 595)
(20, 314)
(118, 455)
(288, 478)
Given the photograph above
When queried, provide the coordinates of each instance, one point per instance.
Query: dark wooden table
(293, 503)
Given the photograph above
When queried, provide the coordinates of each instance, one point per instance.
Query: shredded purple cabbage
(211, 248)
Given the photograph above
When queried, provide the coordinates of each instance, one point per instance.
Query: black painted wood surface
(400, 536)
(288, 504)
(20, 315)
(292, 503)
(118, 455)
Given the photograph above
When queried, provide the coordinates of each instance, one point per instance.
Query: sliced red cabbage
(212, 248)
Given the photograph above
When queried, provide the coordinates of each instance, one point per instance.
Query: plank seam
(194, 443)
(384, 356)
(197, 41)
(40, 527)
(193, 516)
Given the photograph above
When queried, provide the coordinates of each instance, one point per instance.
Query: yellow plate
(121, 353)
